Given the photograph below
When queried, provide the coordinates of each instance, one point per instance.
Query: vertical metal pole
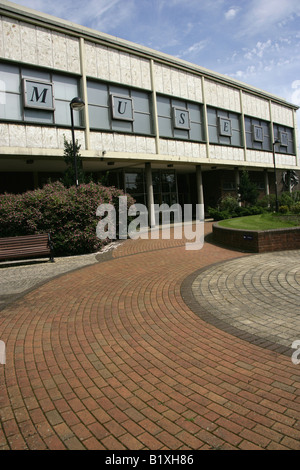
(74, 149)
(205, 120)
(237, 182)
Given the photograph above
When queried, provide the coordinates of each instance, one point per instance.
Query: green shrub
(68, 213)
(296, 196)
(229, 208)
(228, 203)
(295, 208)
(248, 210)
(216, 214)
(247, 189)
(284, 209)
(286, 199)
(266, 201)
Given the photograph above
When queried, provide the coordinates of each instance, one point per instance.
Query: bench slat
(22, 252)
(25, 246)
(26, 238)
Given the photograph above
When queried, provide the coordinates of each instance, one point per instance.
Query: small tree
(69, 175)
(248, 192)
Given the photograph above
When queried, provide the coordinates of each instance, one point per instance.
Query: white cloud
(98, 14)
(198, 46)
(259, 50)
(262, 15)
(231, 13)
(295, 98)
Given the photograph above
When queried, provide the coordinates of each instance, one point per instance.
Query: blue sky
(253, 41)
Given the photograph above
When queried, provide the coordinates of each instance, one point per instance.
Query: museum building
(162, 129)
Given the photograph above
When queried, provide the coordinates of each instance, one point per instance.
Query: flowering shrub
(68, 213)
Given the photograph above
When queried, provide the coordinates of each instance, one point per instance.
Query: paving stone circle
(257, 294)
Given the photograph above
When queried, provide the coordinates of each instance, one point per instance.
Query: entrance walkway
(119, 355)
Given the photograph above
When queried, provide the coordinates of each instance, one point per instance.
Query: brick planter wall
(259, 241)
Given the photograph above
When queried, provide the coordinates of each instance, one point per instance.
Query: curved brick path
(111, 357)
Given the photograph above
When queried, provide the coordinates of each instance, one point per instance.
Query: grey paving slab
(259, 295)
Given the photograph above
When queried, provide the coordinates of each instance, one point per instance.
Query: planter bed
(258, 241)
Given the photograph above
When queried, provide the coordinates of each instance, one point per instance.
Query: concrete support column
(154, 106)
(296, 140)
(205, 121)
(267, 186)
(150, 196)
(243, 130)
(200, 196)
(84, 93)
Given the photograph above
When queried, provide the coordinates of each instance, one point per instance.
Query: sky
(254, 41)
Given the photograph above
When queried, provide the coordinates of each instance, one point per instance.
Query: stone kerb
(257, 241)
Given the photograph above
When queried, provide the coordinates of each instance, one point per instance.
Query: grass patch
(265, 221)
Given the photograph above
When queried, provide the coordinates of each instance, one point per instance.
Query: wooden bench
(28, 246)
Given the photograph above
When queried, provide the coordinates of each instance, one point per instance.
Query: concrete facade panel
(172, 81)
(222, 96)
(255, 156)
(151, 145)
(73, 55)
(286, 160)
(107, 141)
(98, 66)
(29, 51)
(49, 138)
(59, 51)
(116, 66)
(91, 61)
(221, 152)
(33, 137)
(44, 48)
(4, 135)
(255, 106)
(282, 115)
(17, 135)
(11, 39)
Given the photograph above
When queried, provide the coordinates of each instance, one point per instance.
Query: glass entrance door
(164, 188)
(165, 191)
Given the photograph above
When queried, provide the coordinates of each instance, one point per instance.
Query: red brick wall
(258, 241)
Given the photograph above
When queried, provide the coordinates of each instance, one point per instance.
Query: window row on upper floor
(40, 96)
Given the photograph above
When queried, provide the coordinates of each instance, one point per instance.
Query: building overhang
(51, 160)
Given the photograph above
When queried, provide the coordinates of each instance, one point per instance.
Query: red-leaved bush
(69, 214)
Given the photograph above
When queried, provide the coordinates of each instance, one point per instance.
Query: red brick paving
(111, 357)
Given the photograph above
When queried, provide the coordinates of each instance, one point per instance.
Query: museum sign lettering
(38, 94)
